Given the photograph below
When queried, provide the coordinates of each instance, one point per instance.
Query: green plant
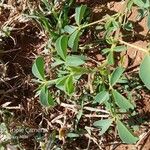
(71, 63)
(52, 17)
(144, 10)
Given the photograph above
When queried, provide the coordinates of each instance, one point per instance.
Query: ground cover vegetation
(82, 89)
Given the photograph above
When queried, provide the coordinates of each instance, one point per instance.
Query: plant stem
(98, 21)
(122, 12)
(120, 20)
(133, 46)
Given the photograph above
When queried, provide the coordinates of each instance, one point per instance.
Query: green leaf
(148, 21)
(141, 14)
(115, 25)
(115, 76)
(102, 97)
(121, 101)
(80, 112)
(51, 82)
(128, 26)
(138, 2)
(1, 147)
(88, 129)
(78, 70)
(79, 115)
(106, 50)
(142, 3)
(45, 97)
(110, 58)
(60, 83)
(74, 60)
(111, 26)
(43, 21)
(69, 85)
(61, 46)
(103, 125)
(120, 48)
(70, 29)
(125, 134)
(72, 135)
(74, 40)
(79, 14)
(4, 131)
(129, 5)
(38, 68)
(108, 105)
(145, 71)
(57, 62)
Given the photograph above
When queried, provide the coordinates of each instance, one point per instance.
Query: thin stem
(117, 32)
(98, 21)
(96, 109)
(89, 58)
(96, 116)
(122, 12)
(134, 46)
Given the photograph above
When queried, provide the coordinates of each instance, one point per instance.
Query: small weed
(99, 86)
(73, 67)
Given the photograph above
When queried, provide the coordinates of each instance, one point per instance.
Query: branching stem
(133, 46)
(98, 21)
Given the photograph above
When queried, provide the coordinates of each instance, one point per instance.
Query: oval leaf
(38, 68)
(148, 21)
(142, 3)
(70, 29)
(57, 62)
(69, 86)
(79, 14)
(115, 76)
(120, 48)
(121, 101)
(106, 50)
(61, 83)
(103, 125)
(74, 60)
(110, 58)
(78, 70)
(74, 40)
(125, 134)
(45, 97)
(145, 71)
(61, 46)
(102, 97)
(72, 135)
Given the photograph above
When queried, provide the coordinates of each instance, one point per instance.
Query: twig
(12, 107)
(142, 137)
(67, 105)
(7, 6)
(95, 110)
(122, 11)
(98, 21)
(9, 51)
(133, 46)
(89, 58)
(94, 140)
(96, 116)
(90, 80)
(86, 108)
(57, 118)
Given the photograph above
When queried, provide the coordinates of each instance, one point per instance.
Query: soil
(17, 86)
